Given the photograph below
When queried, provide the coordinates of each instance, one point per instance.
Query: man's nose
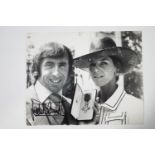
(55, 71)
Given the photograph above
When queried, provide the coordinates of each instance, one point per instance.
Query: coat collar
(113, 102)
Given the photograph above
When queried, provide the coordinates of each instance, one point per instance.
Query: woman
(105, 62)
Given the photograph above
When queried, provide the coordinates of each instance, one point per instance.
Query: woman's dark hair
(51, 50)
(117, 64)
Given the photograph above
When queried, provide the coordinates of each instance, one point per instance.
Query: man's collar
(42, 92)
(113, 102)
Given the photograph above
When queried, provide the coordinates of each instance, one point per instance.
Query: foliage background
(133, 81)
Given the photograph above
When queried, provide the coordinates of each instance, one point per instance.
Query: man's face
(54, 73)
(102, 71)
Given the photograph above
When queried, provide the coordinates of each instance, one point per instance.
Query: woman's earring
(117, 73)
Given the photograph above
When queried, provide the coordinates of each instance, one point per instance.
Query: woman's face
(102, 71)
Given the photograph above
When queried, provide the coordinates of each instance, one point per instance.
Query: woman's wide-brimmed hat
(106, 47)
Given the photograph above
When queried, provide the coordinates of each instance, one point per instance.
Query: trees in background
(133, 81)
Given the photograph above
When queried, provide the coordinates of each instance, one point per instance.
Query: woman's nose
(95, 69)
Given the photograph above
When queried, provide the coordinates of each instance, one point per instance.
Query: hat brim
(126, 56)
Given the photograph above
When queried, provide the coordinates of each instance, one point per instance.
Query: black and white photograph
(77, 77)
(84, 78)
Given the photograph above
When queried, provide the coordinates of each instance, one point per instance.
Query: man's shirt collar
(113, 102)
(42, 92)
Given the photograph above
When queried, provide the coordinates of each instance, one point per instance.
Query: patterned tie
(57, 111)
(49, 112)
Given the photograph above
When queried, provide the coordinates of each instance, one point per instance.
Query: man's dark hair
(51, 50)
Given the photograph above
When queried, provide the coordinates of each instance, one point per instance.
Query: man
(45, 104)
(105, 63)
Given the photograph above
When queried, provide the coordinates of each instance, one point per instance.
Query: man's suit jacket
(31, 94)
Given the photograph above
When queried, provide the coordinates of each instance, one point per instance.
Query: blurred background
(79, 43)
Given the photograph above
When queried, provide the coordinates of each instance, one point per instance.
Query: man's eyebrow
(49, 62)
(63, 62)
